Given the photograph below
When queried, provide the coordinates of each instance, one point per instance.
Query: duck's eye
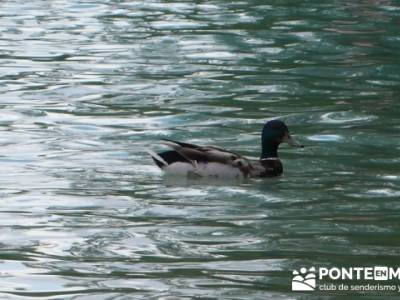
(240, 164)
(233, 157)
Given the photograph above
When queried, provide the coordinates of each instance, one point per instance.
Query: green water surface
(87, 86)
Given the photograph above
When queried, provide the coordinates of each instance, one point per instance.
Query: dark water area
(87, 86)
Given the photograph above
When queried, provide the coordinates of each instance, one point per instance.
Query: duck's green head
(274, 133)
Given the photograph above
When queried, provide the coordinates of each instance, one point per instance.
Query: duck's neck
(269, 150)
(269, 143)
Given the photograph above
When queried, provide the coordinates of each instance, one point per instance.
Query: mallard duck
(211, 161)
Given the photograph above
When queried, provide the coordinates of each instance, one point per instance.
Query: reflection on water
(87, 87)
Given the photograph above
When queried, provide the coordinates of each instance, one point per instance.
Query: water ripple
(87, 87)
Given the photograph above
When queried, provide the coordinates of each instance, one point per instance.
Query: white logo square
(381, 273)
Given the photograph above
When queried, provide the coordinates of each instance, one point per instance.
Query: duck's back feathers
(202, 153)
(203, 160)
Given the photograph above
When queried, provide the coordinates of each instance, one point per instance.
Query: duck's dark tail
(166, 158)
(159, 161)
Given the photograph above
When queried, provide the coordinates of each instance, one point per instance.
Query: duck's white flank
(213, 169)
